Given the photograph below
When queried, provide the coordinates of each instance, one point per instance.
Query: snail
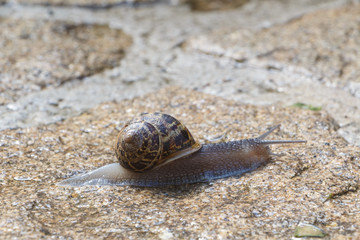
(157, 150)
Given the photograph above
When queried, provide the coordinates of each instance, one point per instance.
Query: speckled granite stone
(36, 54)
(315, 183)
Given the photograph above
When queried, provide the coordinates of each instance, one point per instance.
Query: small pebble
(308, 230)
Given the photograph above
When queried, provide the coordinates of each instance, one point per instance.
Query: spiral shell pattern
(152, 139)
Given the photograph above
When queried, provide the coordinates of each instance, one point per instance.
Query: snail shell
(157, 150)
(152, 139)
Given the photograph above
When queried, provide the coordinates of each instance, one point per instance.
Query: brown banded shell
(151, 139)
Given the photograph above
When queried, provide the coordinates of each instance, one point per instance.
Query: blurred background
(60, 58)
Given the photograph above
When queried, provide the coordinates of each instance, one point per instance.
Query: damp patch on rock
(36, 54)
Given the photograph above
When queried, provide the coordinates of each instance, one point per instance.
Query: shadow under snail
(157, 150)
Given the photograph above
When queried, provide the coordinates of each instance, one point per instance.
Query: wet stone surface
(314, 183)
(37, 54)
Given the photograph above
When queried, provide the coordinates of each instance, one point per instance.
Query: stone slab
(38, 54)
(325, 42)
(156, 59)
(312, 58)
(316, 183)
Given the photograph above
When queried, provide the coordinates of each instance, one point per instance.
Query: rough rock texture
(319, 50)
(316, 183)
(36, 54)
(47, 52)
(325, 42)
(156, 59)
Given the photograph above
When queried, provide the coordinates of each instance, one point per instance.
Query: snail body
(178, 160)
